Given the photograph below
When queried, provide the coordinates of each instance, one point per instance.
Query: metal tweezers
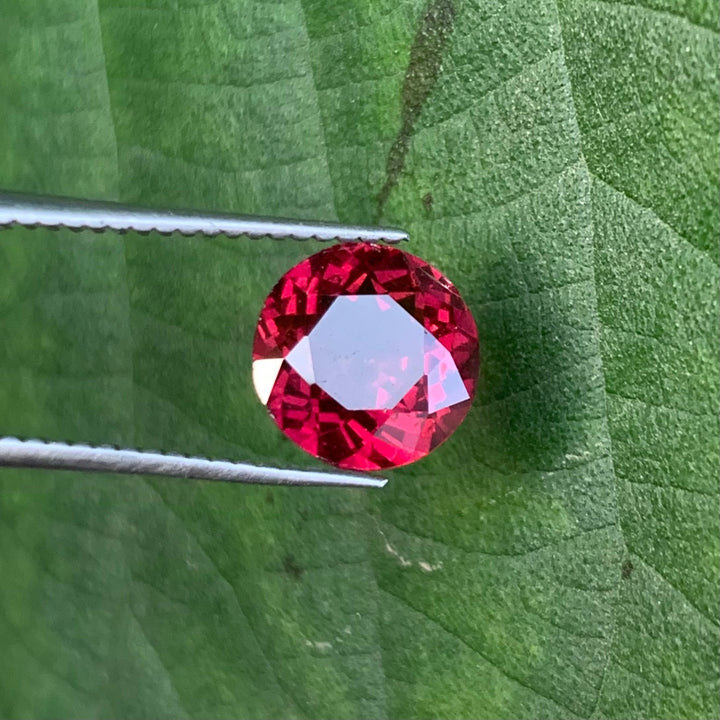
(75, 214)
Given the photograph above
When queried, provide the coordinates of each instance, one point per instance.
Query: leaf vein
(655, 12)
(712, 620)
(573, 107)
(476, 651)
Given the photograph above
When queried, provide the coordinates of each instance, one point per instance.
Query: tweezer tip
(393, 235)
(370, 482)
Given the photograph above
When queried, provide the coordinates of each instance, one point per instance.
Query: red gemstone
(366, 356)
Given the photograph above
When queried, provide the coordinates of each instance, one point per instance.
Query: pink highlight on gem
(382, 397)
(436, 395)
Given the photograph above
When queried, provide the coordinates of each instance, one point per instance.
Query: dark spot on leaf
(421, 75)
(269, 497)
(292, 568)
(627, 568)
(427, 201)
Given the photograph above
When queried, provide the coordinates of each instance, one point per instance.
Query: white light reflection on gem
(300, 359)
(445, 386)
(264, 373)
(367, 352)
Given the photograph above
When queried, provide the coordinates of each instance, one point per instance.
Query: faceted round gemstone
(366, 356)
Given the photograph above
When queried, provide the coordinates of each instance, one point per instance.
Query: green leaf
(558, 558)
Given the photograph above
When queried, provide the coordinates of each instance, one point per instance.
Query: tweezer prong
(76, 214)
(87, 458)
